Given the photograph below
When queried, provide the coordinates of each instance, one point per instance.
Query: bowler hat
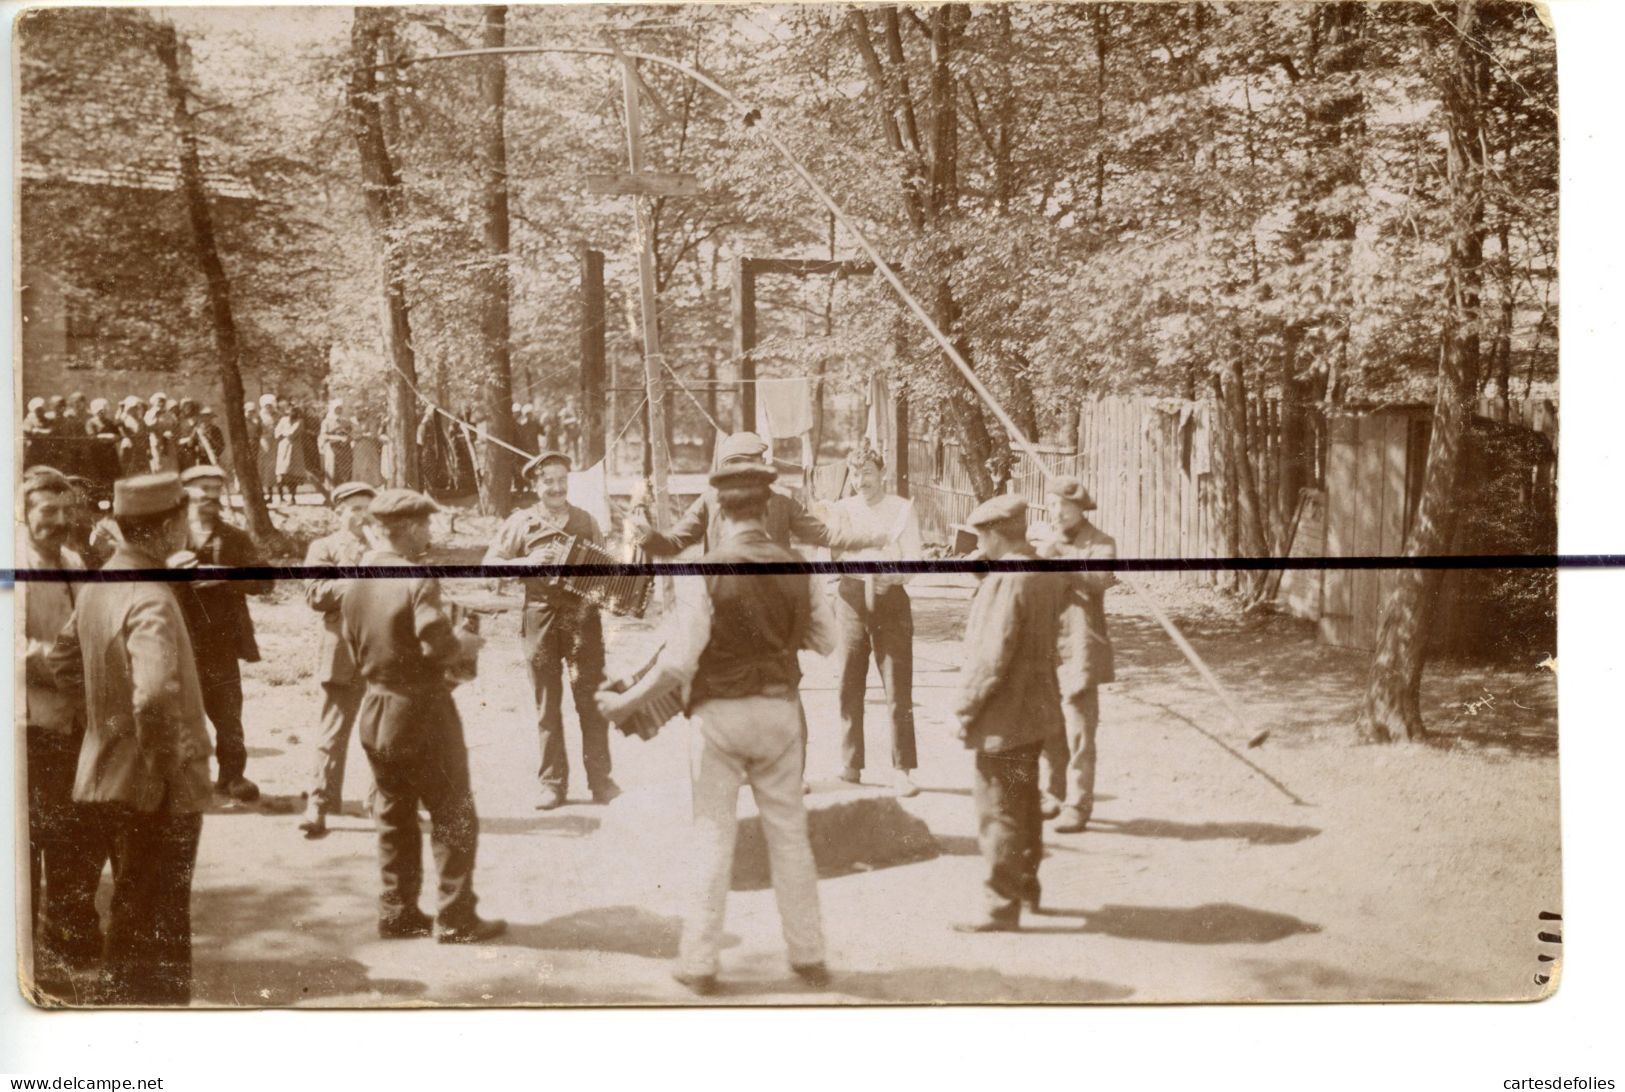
(743, 472)
(147, 495)
(999, 509)
(1069, 487)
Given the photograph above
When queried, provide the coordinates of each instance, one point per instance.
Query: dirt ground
(1400, 873)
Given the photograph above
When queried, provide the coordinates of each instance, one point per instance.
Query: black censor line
(817, 568)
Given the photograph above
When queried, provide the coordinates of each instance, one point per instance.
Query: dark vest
(758, 621)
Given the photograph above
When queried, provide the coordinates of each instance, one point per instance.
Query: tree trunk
(380, 186)
(1224, 483)
(1393, 697)
(1249, 510)
(494, 287)
(1293, 461)
(228, 349)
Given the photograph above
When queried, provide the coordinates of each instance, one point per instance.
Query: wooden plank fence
(1149, 463)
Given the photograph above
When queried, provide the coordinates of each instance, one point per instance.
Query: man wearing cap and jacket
(66, 849)
(1009, 708)
(732, 645)
(342, 688)
(558, 626)
(786, 521)
(145, 758)
(404, 645)
(1086, 660)
(222, 630)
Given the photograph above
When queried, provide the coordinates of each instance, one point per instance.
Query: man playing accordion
(557, 627)
(732, 646)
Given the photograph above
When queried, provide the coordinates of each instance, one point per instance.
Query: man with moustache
(66, 846)
(217, 615)
(558, 627)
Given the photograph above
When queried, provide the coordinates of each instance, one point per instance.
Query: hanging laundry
(787, 405)
(589, 490)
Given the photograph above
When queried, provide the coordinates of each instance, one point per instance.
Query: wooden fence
(1150, 466)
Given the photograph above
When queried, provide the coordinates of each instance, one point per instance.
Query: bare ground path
(1411, 872)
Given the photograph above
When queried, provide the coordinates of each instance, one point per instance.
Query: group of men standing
(123, 676)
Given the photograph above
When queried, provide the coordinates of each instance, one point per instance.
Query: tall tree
(169, 49)
(494, 282)
(381, 192)
(1393, 696)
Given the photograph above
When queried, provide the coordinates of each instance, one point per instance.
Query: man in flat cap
(732, 645)
(1086, 660)
(403, 644)
(558, 627)
(786, 519)
(342, 687)
(145, 758)
(66, 850)
(1009, 707)
(217, 615)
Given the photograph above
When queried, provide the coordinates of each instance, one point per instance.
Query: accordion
(618, 593)
(657, 710)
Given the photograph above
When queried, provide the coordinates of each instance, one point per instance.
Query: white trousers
(755, 741)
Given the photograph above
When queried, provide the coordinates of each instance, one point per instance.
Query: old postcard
(1088, 470)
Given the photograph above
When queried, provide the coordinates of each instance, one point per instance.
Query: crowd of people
(125, 679)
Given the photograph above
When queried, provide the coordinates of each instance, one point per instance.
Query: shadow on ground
(1212, 923)
(628, 930)
(1258, 834)
(270, 982)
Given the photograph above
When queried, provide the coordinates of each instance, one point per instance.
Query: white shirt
(891, 516)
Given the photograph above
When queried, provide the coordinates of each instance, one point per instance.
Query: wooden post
(899, 455)
(653, 371)
(744, 316)
(592, 355)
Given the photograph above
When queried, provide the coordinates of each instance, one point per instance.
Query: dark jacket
(145, 741)
(1011, 697)
(218, 616)
(1086, 647)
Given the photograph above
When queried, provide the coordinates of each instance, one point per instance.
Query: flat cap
(1005, 506)
(547, 457)
(1069, 487)
(742, 446)
(344, 492)
(202, 472)
(743, 472)
(148, 494)
(400, 503)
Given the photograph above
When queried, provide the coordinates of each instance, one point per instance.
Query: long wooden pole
(653, 375)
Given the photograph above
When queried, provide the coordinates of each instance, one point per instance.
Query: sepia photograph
(1089, 471)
